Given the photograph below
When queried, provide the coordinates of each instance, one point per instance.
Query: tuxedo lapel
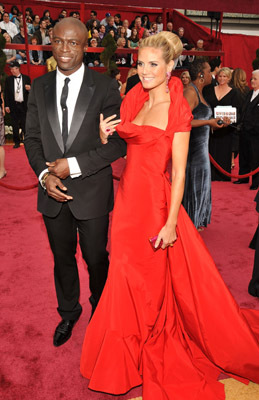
(83, 101)
(52, 112)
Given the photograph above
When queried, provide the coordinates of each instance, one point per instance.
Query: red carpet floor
(31, 368)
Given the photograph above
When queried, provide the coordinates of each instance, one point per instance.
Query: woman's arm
(180, 149)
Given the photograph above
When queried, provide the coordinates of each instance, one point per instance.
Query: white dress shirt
(74, 87)
(10, 28)
(18, 89)
(255, 93)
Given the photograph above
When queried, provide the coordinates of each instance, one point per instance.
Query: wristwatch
(43, 180)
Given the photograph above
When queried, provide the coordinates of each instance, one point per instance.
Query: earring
(201, 80)
(168, 76)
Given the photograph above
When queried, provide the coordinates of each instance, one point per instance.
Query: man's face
(111, 22)
(255, 81)
(200, 44)
(170, 27)
(68, 46)
(6, 18)
(181, 32)
(64, 12)
(95, 33)
(138, 22)
(43, 24)
(92, 16)
(15, 71)
(125, 24)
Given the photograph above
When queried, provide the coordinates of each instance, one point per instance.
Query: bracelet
(43, 180)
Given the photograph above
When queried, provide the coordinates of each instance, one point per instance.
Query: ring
(107, 130)
(171, 244)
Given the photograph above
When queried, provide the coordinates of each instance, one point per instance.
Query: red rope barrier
(216, 165)
(5, 185)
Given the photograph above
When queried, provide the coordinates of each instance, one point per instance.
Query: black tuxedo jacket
(93, 191)
(9, 91)
(250, 115)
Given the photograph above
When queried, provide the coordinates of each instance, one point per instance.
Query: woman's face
(152, 68)
(154, 27)
(134, 32)
(111, 33)
(7, 37)
(185, 79)
(223, 79)
(37, 19)
(123, 42)
(34, 42)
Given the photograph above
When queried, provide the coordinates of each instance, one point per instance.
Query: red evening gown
(166, 319)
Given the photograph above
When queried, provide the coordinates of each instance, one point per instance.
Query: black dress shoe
(16, 145)
(253, 187)
(239, 181)
(63, 332)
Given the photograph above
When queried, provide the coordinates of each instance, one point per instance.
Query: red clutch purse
(153, 240)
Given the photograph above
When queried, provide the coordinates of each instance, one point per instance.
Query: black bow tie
(18, 77)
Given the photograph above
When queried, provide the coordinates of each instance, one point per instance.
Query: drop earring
(168, 76)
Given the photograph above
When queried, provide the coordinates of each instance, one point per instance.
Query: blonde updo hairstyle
(168, 42)
(226, 71)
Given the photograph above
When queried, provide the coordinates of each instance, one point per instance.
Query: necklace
(18, 86)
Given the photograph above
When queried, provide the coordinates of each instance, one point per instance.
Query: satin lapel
(255, 101)
(52, 112)
(84, 98)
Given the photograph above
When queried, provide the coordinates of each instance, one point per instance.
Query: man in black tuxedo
(249, 136)
(63, 117)
(17, 87)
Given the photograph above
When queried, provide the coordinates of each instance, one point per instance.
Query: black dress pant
(249, 155)
(93, 235)
(18, 115)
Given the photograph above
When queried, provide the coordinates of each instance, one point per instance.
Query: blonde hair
(187, 74)
(226, 71)
(239, 79)
(168, 42)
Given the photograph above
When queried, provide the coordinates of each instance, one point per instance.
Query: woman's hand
(107, 127)
(213, 123)
(167, 235)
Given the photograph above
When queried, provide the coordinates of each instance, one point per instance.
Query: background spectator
(36, 56)
(160, 25)
(125, 24)
(10, 53)
(145, 23)
(93, 17)
(185, 78)
(122, 59)
(93, 59)
(105, 20)
(13, 14)
(181, 36)
(117, 20)
(101, 32)
(153, 28)
(20, 39)
(8, 26)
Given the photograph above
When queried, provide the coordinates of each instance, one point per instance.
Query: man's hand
(60, 168)
(52, 184)
(7, 109)
(28, 87)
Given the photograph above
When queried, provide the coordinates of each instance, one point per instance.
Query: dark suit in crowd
(249, 138)
(18, 109)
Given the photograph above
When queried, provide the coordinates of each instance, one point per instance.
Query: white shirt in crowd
(10, 28)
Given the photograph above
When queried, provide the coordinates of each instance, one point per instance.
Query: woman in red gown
(166, 319)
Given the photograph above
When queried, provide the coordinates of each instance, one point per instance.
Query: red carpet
(31, 368)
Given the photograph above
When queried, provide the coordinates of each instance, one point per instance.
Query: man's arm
(32, 140)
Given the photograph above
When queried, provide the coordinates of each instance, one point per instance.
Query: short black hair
(214, 63)
(93, 12)
(196, 67)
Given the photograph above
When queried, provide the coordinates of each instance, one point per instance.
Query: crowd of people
(39, 31)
